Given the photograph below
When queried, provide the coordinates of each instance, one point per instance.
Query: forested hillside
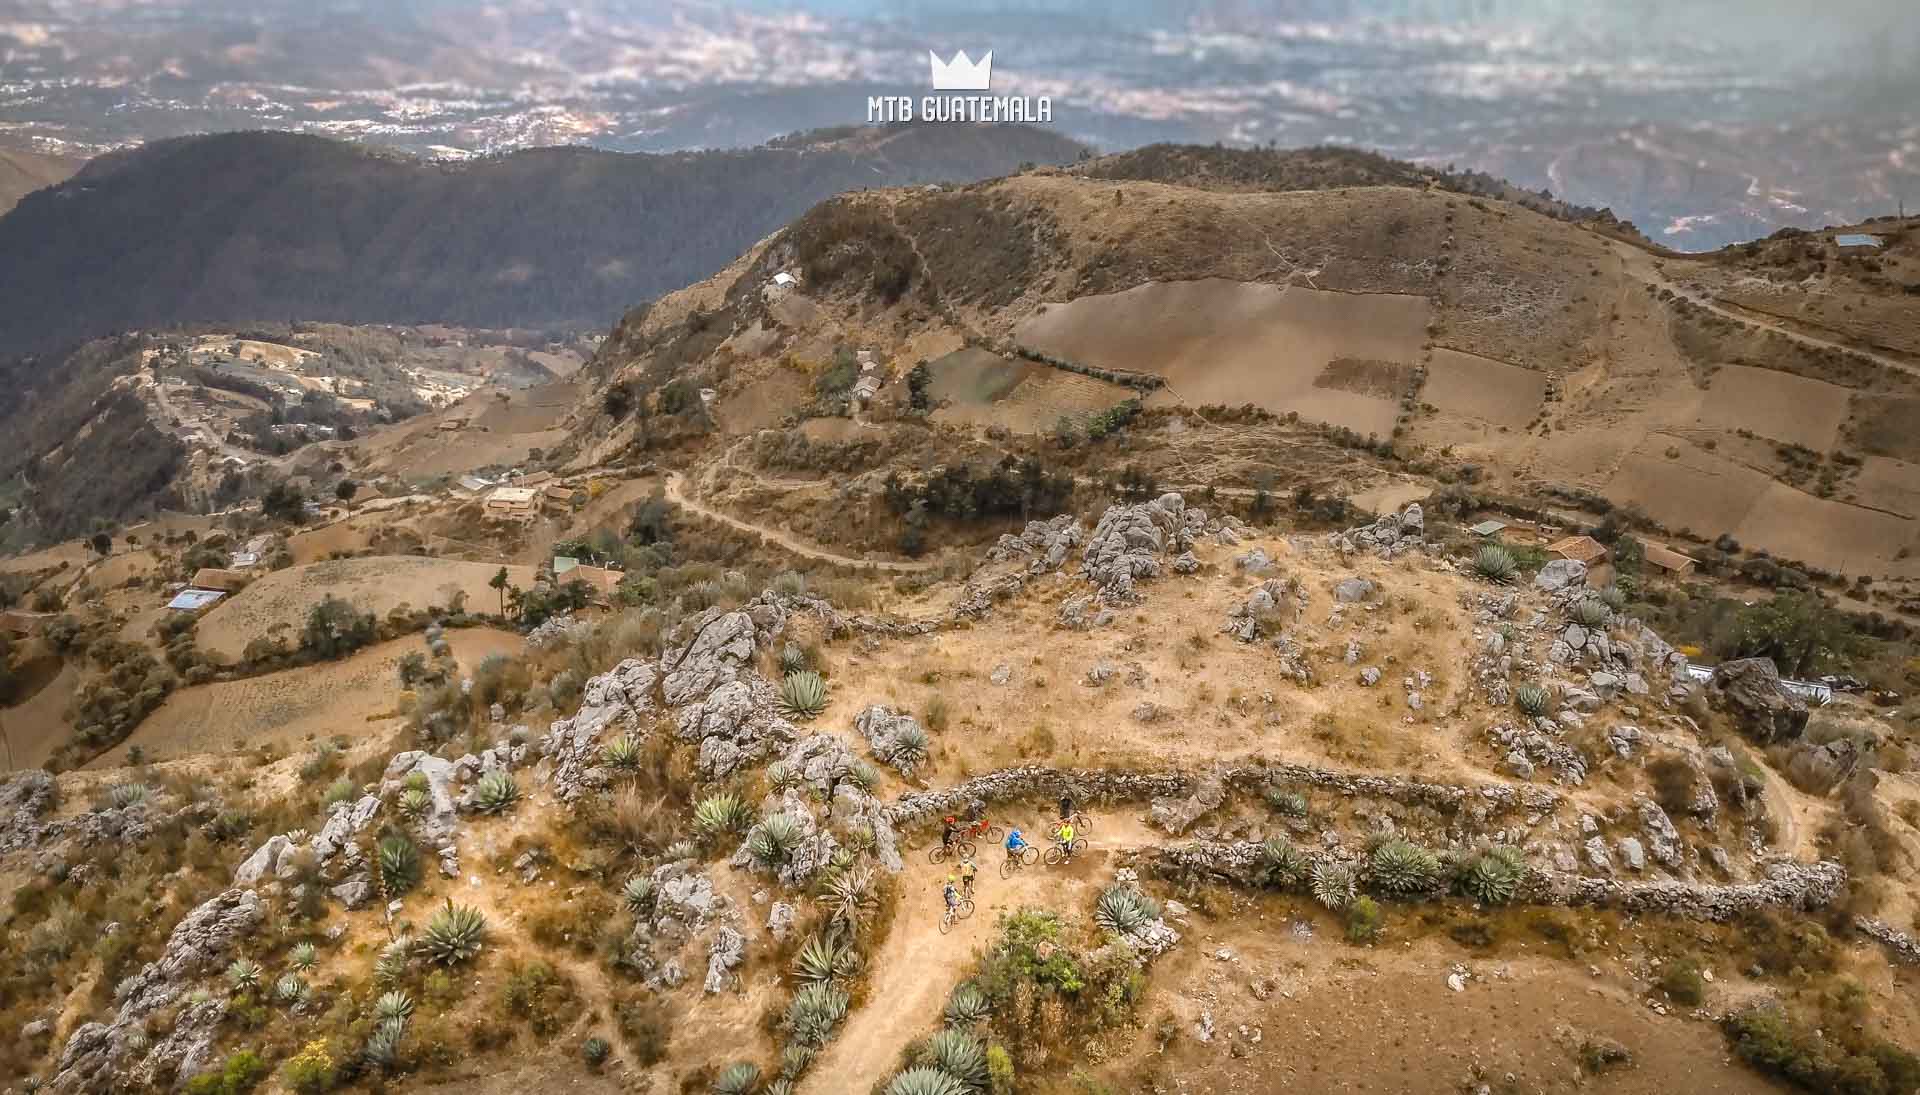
(273, 226)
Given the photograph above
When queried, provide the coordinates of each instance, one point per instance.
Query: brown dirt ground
(39, 726)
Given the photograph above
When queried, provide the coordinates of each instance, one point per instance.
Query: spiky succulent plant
(292, 989)
(814, 1011)
(399, 863)
(595, 1051)
(1282, 866)
(1495, 563)
(738, 1079)
(1125, 910)
(967, 1005)
(1289, 803)
(1492, 877)
(623, 753)
(720, 813)
(1592, 612)
(795, 1060)
(392, 1005)
(781, 776)
(862, 775)
(848, 898)
(822, 958)
(495, 792)
(303, 956)
(1400, 867)
(803, 695)
(382, 1050)
(637, 893)
(922, 1080)
(910, 746)
(1532, 699)
(416, 781)
(771, 842)
(127, 794)
(792, 659)
(1614, 597)
(959, 1055)
(391, 966)
(455, 933)
(1334, 883)
(414, 801)
(243, 975)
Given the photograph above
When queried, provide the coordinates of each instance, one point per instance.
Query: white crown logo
(961, 74)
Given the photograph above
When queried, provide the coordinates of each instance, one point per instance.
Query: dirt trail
(676, 494)
(1639, 264)
(917, 967)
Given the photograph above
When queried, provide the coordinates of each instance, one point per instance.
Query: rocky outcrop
(720, 650)
(1271, 603)
(440, 821)
(611, 703)
(1818, 769)
(1043, 545)
(736, 723)
(27, 798)
(1787, 885)
(1174, 815)
(724, 953)
(1393, 534)
(1536, 745)
(110, 1056)
(24, 800)
(1131, 541)
(1899, 943)
(1749, 690)
(345, 823)
(1560, 574)
(887, 732)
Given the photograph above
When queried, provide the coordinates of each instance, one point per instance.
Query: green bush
(999, 1070)
(242, 1071)
(1495, 563)
(815, 1011)
(1288, 803)
(623, 753)
(967, 1005)
(637, 893)
(1532, 699)
(822, 958)
(339, 791)
(1836, 1061)
(1680, 979)
(310, 1071)
(414, 802)
(1364, 920)
(771, 842)
(1592, 612)
(595, 1051)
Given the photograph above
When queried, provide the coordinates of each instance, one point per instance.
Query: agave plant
(292, 989)
(795, 1060)
(495, 792)
(740, 1079)
(803, 695)
(701, 595)
(1400, 867)
(1124, 910)
(243, 975)
(720, 813)
(595, 1051)
(303, 956)
(383, 1045)
(1495, 563)
(967, 1005)
(414, 801)
(1334, 883)
(862, 775)
(1532, 699)
(781, 1086)
(392, 1005)
(790, 583)
(455, 933)
(822, 958)
(124, 795)
(416, 781)
(959, 1055)
(623, 753)
(637, 893)
(1289, 803)
(771, 842)
(1614, 597)
(399, 863)
(910, 746)
(925, 1081)
(792, 659)
(814, 1011)
(781, 776)
(391, 966)
(1493, 876)
(1282, 866)
(679, 850)
(1592, 612)
(848, 898)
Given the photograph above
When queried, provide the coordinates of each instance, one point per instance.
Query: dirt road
(676, 493)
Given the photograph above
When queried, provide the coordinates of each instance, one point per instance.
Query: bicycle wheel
(937, 854)
(967, 849)
(1052, 856)
(1079, 845)
(1009, 867)
(1029, 855)
(966, 908)
(1082, 821)
(946, 921)
(994, 833)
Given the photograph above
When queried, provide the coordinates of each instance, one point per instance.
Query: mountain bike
(951, 914)
(983, 829)
(960, 849)
(1056, 855)
(1078, 819)
(1027, 857)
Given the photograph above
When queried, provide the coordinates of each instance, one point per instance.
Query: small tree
(499, 585)
(346, 489)
(102, 543)
(920, 387)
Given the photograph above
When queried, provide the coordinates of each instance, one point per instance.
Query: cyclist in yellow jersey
(1065, 836)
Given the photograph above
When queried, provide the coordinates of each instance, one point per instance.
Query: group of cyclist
(959, 885)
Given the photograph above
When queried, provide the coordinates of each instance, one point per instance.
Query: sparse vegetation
(803, 695)
(1495, 563)
(454, 934)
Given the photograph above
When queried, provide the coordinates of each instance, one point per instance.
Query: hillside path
(676, 494)
(1639, 265)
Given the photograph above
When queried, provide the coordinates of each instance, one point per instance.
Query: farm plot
(980, 388)
(1460, 383)
(1781, 406)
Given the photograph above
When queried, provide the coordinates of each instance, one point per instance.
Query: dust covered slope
(22, 173)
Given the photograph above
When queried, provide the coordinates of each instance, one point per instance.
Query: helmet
(951, 878)
(968, 863)
(949, 819)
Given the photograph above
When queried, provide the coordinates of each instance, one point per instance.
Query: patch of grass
(1680, 979)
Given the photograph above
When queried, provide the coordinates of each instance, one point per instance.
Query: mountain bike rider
(1066, 807)
(1015, 844)
(948, 831)
(967, 873)
(1064, 835)
(951, 896)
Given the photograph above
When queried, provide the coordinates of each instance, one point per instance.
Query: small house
(243, 560)
(1667, 559)
(533, 479)
(558, 494)
(472, 484)
(214, 578)
(193, 600)
(511, 504)
(783, 279)
(1489, 527)
(1857, 243)
(1581, 549)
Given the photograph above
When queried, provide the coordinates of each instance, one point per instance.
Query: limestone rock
(1129, 543)
(343, 824)
(886, 731)
(1561, 574)
(727, 950)
(1353, 590)
(721, 647)
(1749, 689)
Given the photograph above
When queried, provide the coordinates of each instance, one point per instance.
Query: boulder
(1749, 690)
(727, 950)
(1353, 590)
(721, 647)
(264, 861)
(884, 730)
(343, 824)
(1129, 543)
(1818, 769)
(1561, 574)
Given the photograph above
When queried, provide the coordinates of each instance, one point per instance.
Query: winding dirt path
(676, 494)
(917, 967)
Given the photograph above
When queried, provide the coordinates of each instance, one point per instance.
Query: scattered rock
(1560, 574)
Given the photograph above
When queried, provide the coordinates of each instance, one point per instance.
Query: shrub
(1125, 910)
(1334, 883)
(720, 813)
(967, 1005)
(303, 956)
(1282, 866)
(595, 1051)
(310, 1071)
(414, 802)
(392, 1005)
(1680, 979)
(958, 1054)
(1364, 920)
(496, 792)
(925, 1081)
(1532, 699)
(1492, 876)
(1399, 867)
(739, 1079)
(623, 753)
(815, 1011)
(771, 842)
(637, 893)
(999, 1070)
(1836, 1060)
(124, 795)
(455, 933)
(1289, 803)
(239, 1075)
(1614, 598)
(803, 695)
(1495, 563)
(399, 863)
(339, 791)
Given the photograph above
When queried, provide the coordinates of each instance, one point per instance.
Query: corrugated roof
(1585, 549)
(1856, 239)
(1488, 528)
(1664, 557)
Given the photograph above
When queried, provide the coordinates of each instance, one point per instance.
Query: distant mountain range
(264, 226)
